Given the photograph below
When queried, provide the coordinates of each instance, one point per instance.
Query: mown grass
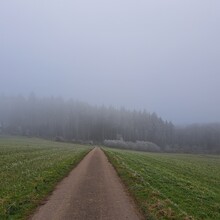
(29, 171)
(171, 186)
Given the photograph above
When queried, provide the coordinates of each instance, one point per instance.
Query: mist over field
(110, 109)
(162, 56)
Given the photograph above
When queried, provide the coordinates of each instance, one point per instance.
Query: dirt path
(91, 191)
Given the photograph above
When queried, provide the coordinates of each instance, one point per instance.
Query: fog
(158, 55)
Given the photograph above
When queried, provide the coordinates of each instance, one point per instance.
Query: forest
(74, 121)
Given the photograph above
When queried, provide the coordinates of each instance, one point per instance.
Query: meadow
(29, 170)
(170, 186)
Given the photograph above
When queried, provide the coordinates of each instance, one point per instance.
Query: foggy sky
(158, 55)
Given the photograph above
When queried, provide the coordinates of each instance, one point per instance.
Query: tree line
(75, 121)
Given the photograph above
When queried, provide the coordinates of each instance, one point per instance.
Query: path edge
(128, 192)
(29, 215)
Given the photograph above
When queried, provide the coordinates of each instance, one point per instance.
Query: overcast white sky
(158, 55)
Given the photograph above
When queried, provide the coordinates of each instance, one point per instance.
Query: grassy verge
(171, 186)
(29, 170)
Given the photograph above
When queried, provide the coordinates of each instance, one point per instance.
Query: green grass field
(171, 186)
(29, 170)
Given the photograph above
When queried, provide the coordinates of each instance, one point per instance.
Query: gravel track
(91, 191)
